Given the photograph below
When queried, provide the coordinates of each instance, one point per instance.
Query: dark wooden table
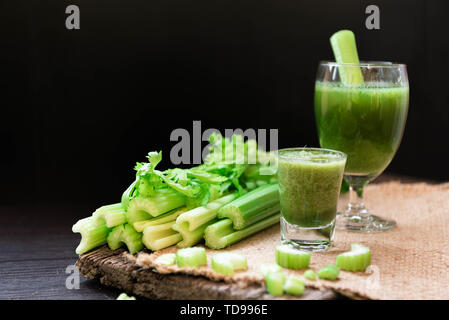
(36, 247)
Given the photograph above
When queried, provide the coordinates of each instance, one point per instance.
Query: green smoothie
(309, 185)
(364, 121)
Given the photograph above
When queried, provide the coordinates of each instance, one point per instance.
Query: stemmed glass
(366, 121)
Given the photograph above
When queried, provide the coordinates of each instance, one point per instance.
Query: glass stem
(356, 207)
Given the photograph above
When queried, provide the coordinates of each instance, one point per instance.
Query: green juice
(309, 185)
(366, 122)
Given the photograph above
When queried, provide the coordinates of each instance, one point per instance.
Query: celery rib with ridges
(252, 207)
(162, 201)
(160, 236)
(125, 234)
(221, 234)
(192, 224)
(164, 218)
(92, 236)
(112, 215)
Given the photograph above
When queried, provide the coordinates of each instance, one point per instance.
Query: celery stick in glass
(91, 236)
(191, 257)
(291, 258)
(274, 282)
(112, 215)
(358, 259)
(252, 207)
(164, 218)
(221, 234)
(161, 202)
(226, 262)
(167, 259)
(345, 51)
(294, 286)
(329, 272)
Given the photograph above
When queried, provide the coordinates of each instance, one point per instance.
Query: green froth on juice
(309, 185)
(366, 122)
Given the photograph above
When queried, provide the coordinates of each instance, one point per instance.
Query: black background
(80, 107)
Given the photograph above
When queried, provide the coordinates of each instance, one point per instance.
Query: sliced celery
(291, 258)
(329, 272)
(191, 257)
(358, 259)
(310, 275)
(163, 201)
(167, 259)
(268, 268)
(112, 215)
(124, 296)
(226, 262)
(221, 234)
(252, 207)
(166, 217)
(275, 283)
(294, 286)
(92, 236)
(201, 215)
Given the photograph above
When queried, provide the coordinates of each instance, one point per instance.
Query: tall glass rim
(341, 155)
(365, 64)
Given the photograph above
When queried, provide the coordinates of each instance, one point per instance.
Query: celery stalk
(112, 215)
(162, 201)
(166, 217)
(127, 194)
(221, 234)
(190, 238)
(125, 234)
(160, 236)
(252, 207)
(91, 236)
(201, 215)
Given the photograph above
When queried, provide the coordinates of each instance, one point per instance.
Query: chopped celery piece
(358, 259)
(167, 259)
(252, 207)
(226, 262)
(310, 275)
(112, 215)
(125, 234)
(268, 268)
(160, 236)
(161, 202)
(191, 257)
(294, 286)
(345, 51)
(221, 234)
(291, 258)
(275, 283)
(91, 236)
(166, 217)
(329, 272)
(124, 296)
(201, 215)
(190, 238)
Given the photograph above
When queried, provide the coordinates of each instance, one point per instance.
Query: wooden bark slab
(114, 269)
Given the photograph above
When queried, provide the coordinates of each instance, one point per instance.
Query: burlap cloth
(409, 262)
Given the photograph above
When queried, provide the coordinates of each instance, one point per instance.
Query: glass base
(364, 224)
(307, 239)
